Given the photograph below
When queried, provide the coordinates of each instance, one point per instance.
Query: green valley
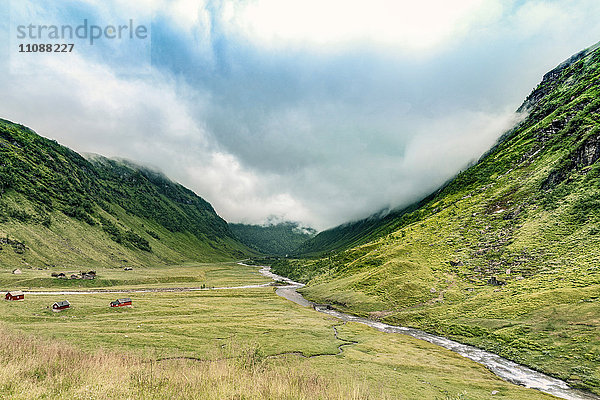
(90, 230)
(504, 257)
(278, 239)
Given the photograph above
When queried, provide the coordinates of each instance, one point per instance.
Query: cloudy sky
(313, 111)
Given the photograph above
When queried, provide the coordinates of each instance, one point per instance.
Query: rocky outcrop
(17, 246)
(456, 263)
(495, 282)
(586, 154)
(544, 134)
(552, 79)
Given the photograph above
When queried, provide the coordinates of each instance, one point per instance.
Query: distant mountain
(506, 255)
(57, 207)
(279, 239)
(355, 233)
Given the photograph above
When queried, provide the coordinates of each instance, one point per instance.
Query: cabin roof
(16, 293)
(124, 300)
(62, 303)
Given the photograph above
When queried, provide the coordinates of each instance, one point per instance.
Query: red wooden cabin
(61, 305)
(121, 302)
(15, 295)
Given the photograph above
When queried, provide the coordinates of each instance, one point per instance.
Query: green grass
(178, 324)
(546, 316)
(279, 335)
(70, 243)
(206, 275)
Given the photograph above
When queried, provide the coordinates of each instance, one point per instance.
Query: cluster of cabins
(17, 295)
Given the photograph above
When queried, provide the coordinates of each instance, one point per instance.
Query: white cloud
(80, 98)
(412, 25)
(241, 194)
(149, 120)
(335, 129)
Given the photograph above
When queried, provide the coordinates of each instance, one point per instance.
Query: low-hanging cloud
(294, 126)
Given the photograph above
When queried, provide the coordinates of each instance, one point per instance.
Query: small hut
(121, 302)
(61, 305)
(15, 295)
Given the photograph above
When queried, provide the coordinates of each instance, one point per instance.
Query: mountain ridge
(51, 195)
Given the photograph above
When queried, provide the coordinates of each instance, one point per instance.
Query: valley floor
(221, 344)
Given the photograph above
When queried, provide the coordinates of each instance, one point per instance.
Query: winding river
(505, 369)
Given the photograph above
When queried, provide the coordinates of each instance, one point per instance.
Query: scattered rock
(513, 214)
(495, 282)
(519, 278)
(128, 269)
(432, 290)
(17, 271)
(508, 271)
(495, 392)
(456, 263)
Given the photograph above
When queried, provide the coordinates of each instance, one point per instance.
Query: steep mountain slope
(507, 255)
(57, 208)
(276, 239)
(359, 232)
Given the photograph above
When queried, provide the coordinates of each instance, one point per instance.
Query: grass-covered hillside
(59, 209)
(359, 232)
(278, 239)
(507, 255)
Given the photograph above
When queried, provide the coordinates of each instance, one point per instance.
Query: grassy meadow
(206, 275)
(221, 344)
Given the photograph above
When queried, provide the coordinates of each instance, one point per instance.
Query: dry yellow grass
(32, 368)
